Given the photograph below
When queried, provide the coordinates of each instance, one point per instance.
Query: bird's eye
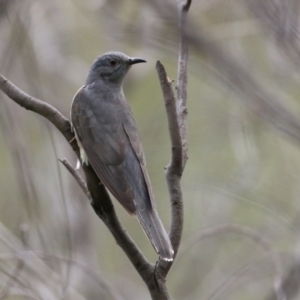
(113, 62)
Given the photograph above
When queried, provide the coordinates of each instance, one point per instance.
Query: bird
(107, 135)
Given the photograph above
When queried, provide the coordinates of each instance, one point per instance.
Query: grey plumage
(106, 131)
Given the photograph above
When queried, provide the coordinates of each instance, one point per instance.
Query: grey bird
(107, 135)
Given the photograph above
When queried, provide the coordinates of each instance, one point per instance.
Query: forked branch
(177, 119)
(101, 201)
(154, 277)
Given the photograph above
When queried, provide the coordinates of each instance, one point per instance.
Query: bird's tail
(156, 233)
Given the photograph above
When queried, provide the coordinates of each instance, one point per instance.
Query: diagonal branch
(101, 201)
(77, 177)
(40, 107)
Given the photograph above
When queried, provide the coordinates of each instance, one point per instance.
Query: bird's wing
(104, 141)
(109, 137)
(135, 142)
(145, 207)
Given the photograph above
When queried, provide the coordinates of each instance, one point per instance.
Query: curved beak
(135, 60)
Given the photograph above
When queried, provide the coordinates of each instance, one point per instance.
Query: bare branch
(177, 119)
(177, 115)
(101, 201)
(77, 177)
(174, 169)
(40, 107)
(182, 78)
(173, 122)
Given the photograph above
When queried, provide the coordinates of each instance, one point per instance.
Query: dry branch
(182, 78)
(101, 201)
(154, 277)
(40, 107)
(177, 118)
(77, 177)
(174, 169)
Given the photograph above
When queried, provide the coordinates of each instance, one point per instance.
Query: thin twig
(40, 107)
(183, 7)
(77, 177)
(173, 122)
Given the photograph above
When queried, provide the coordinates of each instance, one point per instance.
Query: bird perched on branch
(108, 139)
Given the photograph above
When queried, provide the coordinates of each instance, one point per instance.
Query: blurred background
(241, 184)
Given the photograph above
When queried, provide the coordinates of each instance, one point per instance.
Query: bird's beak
(135, 60)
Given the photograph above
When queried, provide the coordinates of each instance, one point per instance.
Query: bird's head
(111, 67)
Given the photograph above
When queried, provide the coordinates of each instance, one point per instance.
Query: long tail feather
(156, 233)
